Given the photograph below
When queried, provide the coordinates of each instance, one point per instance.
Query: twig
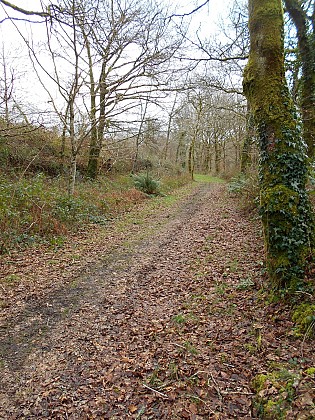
(305, 293)
(216, 386)
(306, 335)
(237, 392)
(178, 345)
(154, 390)
(229, 365)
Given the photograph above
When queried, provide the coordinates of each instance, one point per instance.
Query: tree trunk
(286, 214)
(191, 158)
(248, 143)
(217, 155)
(74, 150)
(94, 150)
(306, 46)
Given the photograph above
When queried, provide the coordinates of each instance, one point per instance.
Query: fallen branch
(237, 393)
(154, 390)
(216, 386)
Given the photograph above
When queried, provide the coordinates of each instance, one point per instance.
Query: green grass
(208, 178)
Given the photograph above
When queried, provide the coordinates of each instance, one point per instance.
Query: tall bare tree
(129, 47)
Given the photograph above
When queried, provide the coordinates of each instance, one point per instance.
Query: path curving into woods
(153, 317)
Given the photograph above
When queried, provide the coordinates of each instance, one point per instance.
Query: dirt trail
(160, 327)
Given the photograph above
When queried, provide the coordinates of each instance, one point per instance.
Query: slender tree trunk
(169, 124)
(96, 147)
(73, 162)
(248, 143)
(179, 149)
(286, 214)
(92, 168)
(191, 157)
(217, 156)
(143, 116)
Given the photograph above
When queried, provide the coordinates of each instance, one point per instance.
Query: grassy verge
(207, 178)
(38, 210)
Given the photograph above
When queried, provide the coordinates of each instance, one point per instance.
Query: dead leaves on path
(176, 329)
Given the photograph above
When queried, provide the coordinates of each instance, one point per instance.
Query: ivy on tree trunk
(286, 213)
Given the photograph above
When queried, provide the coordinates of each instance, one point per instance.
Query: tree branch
(24, 11)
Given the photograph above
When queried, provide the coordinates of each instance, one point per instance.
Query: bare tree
(133, 45)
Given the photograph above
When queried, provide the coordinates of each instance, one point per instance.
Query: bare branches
(191, 12)
(24, 11)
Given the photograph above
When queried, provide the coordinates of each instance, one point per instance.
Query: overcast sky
(205, 21)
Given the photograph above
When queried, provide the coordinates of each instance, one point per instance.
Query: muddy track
(39, 316)
(153, 317)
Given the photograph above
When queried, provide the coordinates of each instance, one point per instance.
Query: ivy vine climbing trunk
(286, 214)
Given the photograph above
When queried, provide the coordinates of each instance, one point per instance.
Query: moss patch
(275, 392)
(304, 319)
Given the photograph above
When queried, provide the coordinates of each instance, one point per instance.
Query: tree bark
(94, 152)
(286, 213)
(306, 46)
(248, 143)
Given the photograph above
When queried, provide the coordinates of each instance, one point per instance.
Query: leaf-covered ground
(160, 315)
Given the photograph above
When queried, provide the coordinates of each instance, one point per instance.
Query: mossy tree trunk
(306, 49)
(286, 214)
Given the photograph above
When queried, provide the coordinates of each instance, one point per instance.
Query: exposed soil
(159, 315)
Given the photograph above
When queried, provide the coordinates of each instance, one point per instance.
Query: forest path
(152, 318)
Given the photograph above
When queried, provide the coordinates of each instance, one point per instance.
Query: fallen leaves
(167, 326)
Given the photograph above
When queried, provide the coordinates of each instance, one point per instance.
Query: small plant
(246, 187)
(173, 370)
(245, 284)
(179, 319)
(220, 288)
(146, 184)
(190, 348)
(154, 379)
(11, 279)
(237, 184)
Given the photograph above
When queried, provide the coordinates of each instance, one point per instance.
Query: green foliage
(304, 319)
(190, 348)
(237, 184)
(208, 178)
(179, 319)
(274, 405)
(245, 284)
(246, 188)
(146, 184)
(285, 209)
(310, 371)
(38, 209)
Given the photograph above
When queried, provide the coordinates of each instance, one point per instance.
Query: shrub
(246, 187)
(146, 184)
